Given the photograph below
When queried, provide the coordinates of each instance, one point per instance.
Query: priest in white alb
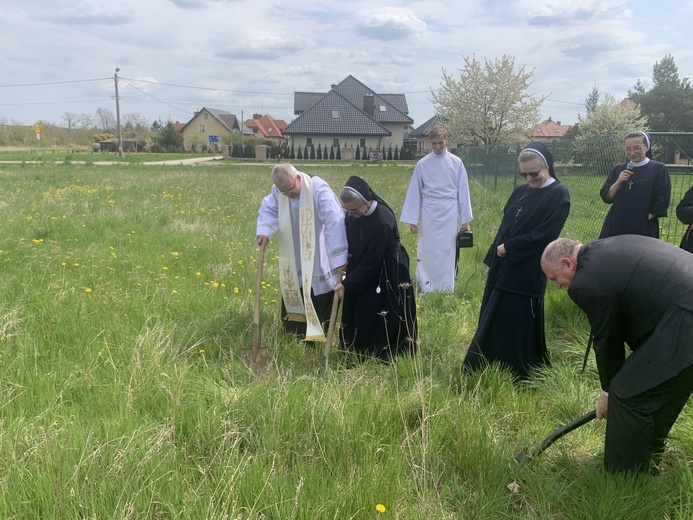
(437, 205)
(312, 247)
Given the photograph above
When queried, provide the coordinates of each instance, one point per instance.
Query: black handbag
(465, 238)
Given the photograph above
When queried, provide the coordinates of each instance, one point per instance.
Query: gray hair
(284, 169)
(348, 195)
(558, 250)
(530, 155)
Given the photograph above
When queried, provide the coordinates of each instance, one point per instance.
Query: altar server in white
(436, 207)
(312, 247)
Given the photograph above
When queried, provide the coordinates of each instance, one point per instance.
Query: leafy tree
(155, 126)
(488, 104)
(668, 105)
(600, 134)
(170, 139)
(592, 100)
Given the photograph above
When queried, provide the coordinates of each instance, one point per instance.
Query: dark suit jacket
(639, 291)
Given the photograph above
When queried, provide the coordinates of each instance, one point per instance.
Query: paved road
(193, 160)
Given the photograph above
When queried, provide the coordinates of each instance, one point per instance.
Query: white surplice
(330, 245)
(438, 202)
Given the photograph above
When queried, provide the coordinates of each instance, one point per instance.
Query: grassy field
(125, 299)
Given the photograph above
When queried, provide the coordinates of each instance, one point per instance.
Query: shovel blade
(257, 360)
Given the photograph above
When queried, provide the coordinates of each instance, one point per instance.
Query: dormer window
(335, 114)
(382, 108)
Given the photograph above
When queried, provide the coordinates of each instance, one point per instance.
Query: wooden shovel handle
(256, 310)
(330, 330)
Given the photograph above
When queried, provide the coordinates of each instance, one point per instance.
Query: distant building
(548, 130)
(265, 126)
(211, 127)
(349, 115)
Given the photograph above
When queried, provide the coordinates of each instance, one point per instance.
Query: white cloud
(390, 23)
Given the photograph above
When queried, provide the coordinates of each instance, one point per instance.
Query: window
(202, 129)
(335, 114)
(206, 115)
(362, 143)
(335, 142)
(382, 108)
(309, 141)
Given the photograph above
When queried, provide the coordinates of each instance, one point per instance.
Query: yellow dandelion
(63, 264)
(165, 268)
(174, 292)
(174, 253)
(201, 351)
(235, 289)
(215, 284)
(380, 508)
(87, 290)
(198, 273)
(76, 264)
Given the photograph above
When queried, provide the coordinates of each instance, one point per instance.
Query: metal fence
(583, 166)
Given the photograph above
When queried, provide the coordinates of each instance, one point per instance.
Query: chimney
(368, 104)
(257, 116)
(558, 123)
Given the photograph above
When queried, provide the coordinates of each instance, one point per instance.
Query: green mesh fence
(583, 166)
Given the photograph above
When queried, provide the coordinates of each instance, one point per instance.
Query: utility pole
(241, 129)
(117, 99)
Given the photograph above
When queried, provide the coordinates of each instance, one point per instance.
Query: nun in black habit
(511, 321)
(639, 191)
(378, 307)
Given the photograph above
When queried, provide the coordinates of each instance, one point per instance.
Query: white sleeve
(464, 204)
(268, 215)
(412, 203)
(331, 215)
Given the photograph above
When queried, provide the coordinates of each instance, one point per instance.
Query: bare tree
(86, 120)
(106, 119)
(136, 120)
(70, 119)
(489, 103)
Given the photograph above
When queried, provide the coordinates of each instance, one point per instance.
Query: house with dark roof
(265, 126)
(349, 115)
(548, 130)
(211, 127)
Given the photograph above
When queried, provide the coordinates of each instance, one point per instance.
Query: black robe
(378, 309)
(511, 321)
(649, 192)
(684, 212)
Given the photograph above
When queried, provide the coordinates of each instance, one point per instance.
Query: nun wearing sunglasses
(510, 331)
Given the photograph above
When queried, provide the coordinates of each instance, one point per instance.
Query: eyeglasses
(533, 175)
(356, 210)
(284, 192)
(635, 149)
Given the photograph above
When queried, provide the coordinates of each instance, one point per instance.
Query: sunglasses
(533, 175)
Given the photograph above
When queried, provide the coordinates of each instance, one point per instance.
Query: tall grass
(125, 299)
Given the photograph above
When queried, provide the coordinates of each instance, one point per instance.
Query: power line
(210, 88)
(55, 82)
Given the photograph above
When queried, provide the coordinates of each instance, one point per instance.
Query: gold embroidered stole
(298, 309)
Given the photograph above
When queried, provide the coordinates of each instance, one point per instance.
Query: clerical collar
(370, 211)
(642, 163)
(549, 182)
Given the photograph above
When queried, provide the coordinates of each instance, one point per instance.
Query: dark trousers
(637, 427)
(323, 308)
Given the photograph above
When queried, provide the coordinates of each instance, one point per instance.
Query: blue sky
(176, 56)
